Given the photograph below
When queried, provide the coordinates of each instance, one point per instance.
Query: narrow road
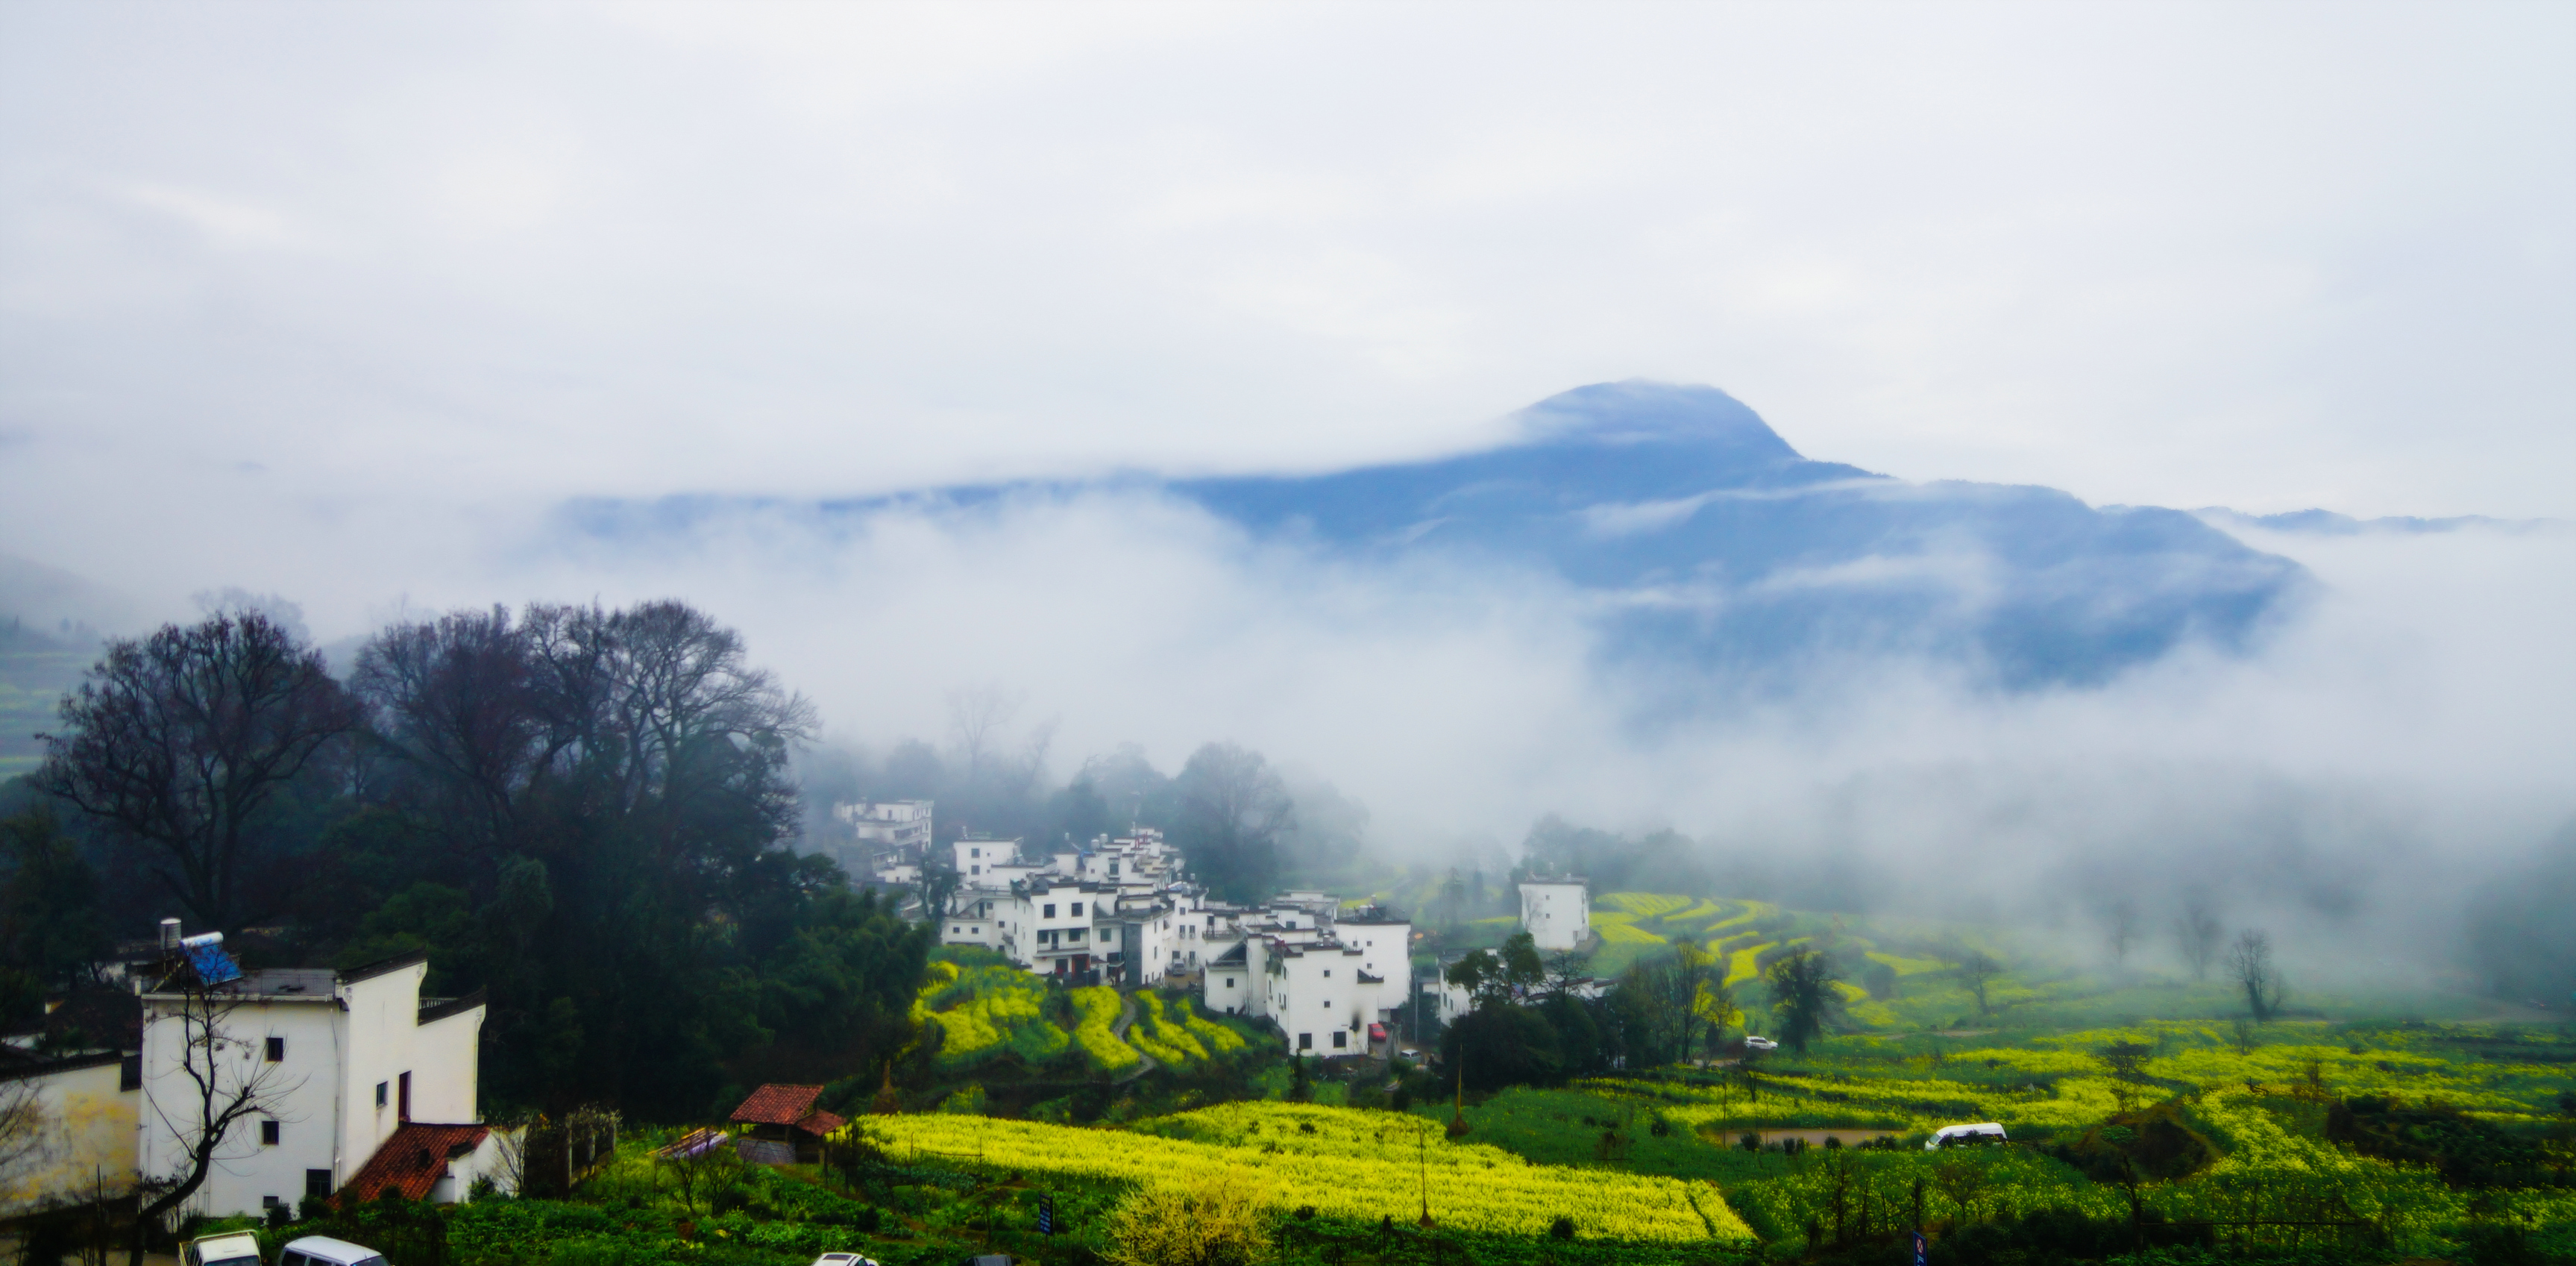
(1127, 1016)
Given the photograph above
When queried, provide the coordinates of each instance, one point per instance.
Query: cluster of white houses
(363, 1085)
(1123, 912)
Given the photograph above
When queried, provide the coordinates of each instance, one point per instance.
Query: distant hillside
(1715, 541)
(36, 667)
(1712, 546)
(2329, 523)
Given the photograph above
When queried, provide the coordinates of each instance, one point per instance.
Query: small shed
(782, 1126)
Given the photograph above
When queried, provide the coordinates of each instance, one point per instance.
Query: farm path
(1126, 1017)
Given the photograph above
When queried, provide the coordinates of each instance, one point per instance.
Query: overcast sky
(343, 301)
(2269, 256)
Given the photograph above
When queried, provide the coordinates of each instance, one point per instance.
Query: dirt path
(1127, 1016)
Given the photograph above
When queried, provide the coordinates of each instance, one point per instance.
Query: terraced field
(981, 1009)
(1343, 1163)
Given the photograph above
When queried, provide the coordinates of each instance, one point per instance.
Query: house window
(1077, 909)
(1047, 912)
(317, 1183)
(277, 1050)
(953, 930)
(974, 852)
(381, 1087)
(1305, 1041)
(1328, 973)
(1108, 934)
(270, 1202)
(1229, 982)
(1073, 934)
(268, 1131)
(974, 870)
(1340, 1039)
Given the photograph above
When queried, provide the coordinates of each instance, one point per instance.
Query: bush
(1216, 1221)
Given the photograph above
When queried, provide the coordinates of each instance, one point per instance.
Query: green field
(33, 676)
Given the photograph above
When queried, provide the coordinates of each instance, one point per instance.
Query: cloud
(358, 305)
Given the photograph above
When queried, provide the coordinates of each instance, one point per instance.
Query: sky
(348, 302)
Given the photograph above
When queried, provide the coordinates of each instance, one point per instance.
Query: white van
(1963, 1135)
(232, 1248)
(322, 1250)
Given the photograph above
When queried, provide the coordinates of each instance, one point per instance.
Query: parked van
(1965, 1135)
(322, 1250)
(232, 1248)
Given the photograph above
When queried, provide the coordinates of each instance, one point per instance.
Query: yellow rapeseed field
(1348, 1163)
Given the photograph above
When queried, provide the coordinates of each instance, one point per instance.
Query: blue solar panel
(212, 964)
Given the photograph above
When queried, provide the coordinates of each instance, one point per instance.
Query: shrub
(1215, 1221)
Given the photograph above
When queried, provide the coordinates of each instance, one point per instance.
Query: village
(289, 1091)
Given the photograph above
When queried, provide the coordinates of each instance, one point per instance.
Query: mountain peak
(1642, 411)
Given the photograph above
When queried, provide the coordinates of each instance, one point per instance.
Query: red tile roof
(778, 1105)
(820, 1124)
(413, 1160)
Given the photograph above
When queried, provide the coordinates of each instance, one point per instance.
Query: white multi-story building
(1557, 913)
(1322, 977)
(893, 836)
(888, 824)
(1117, 908)
(363, 1084)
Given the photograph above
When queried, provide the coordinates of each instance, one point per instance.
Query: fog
(2390, 743)
(393, 308)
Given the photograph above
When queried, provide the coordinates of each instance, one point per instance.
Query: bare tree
(181, 740)
(454, 700)
(2198, 932)
(2120, 930)
(217, 1082)
(2249, 963)
(978, 717)
(1979, 969)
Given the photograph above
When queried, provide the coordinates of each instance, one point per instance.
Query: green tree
(1233, 808)
(1803, 996)
(51, 927)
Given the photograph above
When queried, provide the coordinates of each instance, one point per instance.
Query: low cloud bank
(2383, 751)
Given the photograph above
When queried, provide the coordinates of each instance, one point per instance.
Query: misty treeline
(1245, 826)
(581, 811)
(1537, 1019)
(593, 815)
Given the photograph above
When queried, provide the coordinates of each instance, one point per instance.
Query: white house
(1119, 908)
(366, 1084)
(1557, 913)
(80, 1114)
(890, 838)
(883, 825)
(1322, 979)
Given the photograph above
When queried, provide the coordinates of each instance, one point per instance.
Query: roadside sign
(1046, 1214)
(1922, 1253)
